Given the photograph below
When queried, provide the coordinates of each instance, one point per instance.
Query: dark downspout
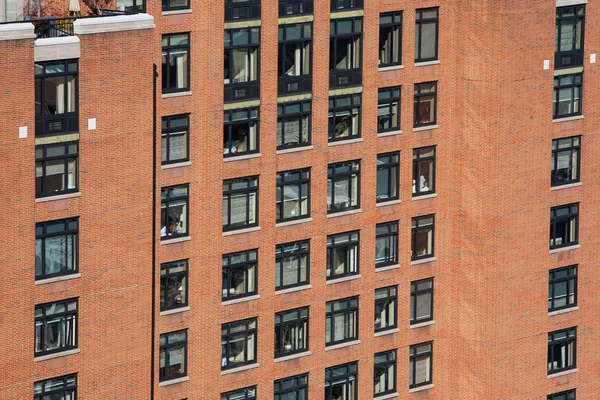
(153, 307)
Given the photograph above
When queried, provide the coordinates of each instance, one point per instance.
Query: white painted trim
(388, 203)
(244, 157)
(176, 240)
(421, 388)
(293, 289)
(567, 248)
(390, 68)
(176, 94)
(294, 222)
(175, 311)
(342, 213)
(239, 369)
(423, 261)
(425, 196)
(240, 300)
(176, 165)
(241, 231)
(58, 197)
(20, 31)
(563, 373)
(387, 396)
(58, 279)
(567, 186)
(57, 355)
(387, 268)
(391, 133)
(423, 324)
(562, 3)
(563, 311)
(342, 142)
(343, 279)
(426, 63)
(387, 332)
(60, 48)
(174, 381)
(425, 128)
(294, 149)
(118, 23)
(175, 12)
(342, 345)
(293, 356)
(566, 119)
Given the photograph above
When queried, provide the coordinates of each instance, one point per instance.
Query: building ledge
(422, 324)
(176, 165)
(293, 222)
(390, 68)
(176, 12)
(239, 369)
(387, 268)
(241, 104)
(24, 30)
(296, 20)
(391, 133)
(563, 373)
(59, 48)
(387, 396)
(58, 197)
(562, 3)
(241, 231)
(425, 196)
(387, 332)
(421, 388)
(174, 381)
(342, 345)
(343, 279)
(175, 240)
(244, 157)
(388, 203)
(176, 94)
(347, 14)
(425, 128)
(57, 355)
(293, 289)
(426, 63)
(175, 311)
(423, 261)
(346, 91)
(69, 137)
(242, 24)
(342, 213)
(58, 279)
(563, 311)
(118, 23)
(567, 186)
(293, 356)
(566, 119)
(342, 142)
(294, 97)
(240, 300)
(295, 149)
(566, 248)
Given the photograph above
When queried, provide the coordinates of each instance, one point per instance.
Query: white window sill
(294, 222)
(425, 196)
(58, 197)
(421, 388)
(425, 128)
(58, 279)
(239, 369)
(387, 396)
(240, 158)
(566, 119)
(176, 165)
(241, 231)
(176, 240)
(56, 355)
(388, 332)
(566, 248)
(293, 356)
(567, 186)
(293, 289)
(176, 94)
(423, 261)
(426, 63)
(342, 213)
(174, 381)
(344, 279)
(391, 133)
(294, 150)
(388, 203)
(175, 12)
(387, 268)
(563, 373)
(175, 311)
(342, 142)
(342, 345)
(240, 300)
(390, 68)
(422, 324)
(563, 311)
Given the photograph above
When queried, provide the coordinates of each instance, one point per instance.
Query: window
(240, 132)
(291, 332)
(248, 393)
(133, 6)
(239, 10)
(175, 62)
(174, 212)
(420, 364)
(388, 110)
(292, 388)
(173, 285)
(345, 52)
(341, 321)
(423, 171)
(55, 327)
(561, 350)
(341, 382)
(386, 244)
(422, 237)
(175, 139)
(343, 186)
(241, 64)
(564, 221)
(292, 264)
(170, 5)
(421, 301)
(568, 395)
(173, 355)
(565, 160)
(240, 203)
(567, 95)
(293, 195)
(294, 58)
(344, 117)
(562, 288)
(288, 8)
(341, 5)
(386, 304)
(56, 97)
(238, 343)
(240, 273)
(56, 169)
(293, 124)
(568, 45)
(390, 39)
(425, 104)
(56, 245)
(388, 171)
(342, 255)
(426, 35)
(63, 388)
(385, 373)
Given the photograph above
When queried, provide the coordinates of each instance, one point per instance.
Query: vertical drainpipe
(154, 199)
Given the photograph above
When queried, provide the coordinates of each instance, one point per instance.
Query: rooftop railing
(50, 27)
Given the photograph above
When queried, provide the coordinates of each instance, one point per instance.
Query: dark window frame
(253, 10)
(386, 99)
(391, 293)
(391, 360)
(136, 7)
(350, 246)
(576, 56)
(246, 266)
(44, 159)
(248, 191)
(335, 111)
(419, 22)
(391, 232)
(350, 76)
(246, 90)
(281, 183)
(67, 389)
(566, 395)
(346, 5)
(413, 358)
(416, 228)
(252, 120)
(354, 168)
(417, 169)
(288, 8)
(298, 385)
(166, 5)
(572, 215)
(415, 293)
(305, 115)
(297, 251)
(168, 346)
(167, 132)
(575, 150)
(249, 393)
(349, 310)
(285, 83)
(67, 317)
(164, 212)
(42, 235)
(418, 95)
(246, 333)
(577, 84)
(301, 322)
(350, 375)
(44, 121)
(166, 67)
(570, 338)
(393, 162)
(571, 282)
(164, 281)
(395, 24)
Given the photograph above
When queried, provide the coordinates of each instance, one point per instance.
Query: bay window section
(345, 5)
(291, 332)
(345, 52)
(175, 62)
(294, 59)
(240, 132)
(238, 343)
(56, 97)
(56, 169)
(293, 125)
(290, 8)
(240, 273)
(240, 203)
(341, 321)
(342, 255)
(242, 10)
(568, 45)
(292, 261)
(174, 209)
(343, 186)
(241, 64)
(56, 245)
(293, 195)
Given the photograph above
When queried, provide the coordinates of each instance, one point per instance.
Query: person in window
(173, 228)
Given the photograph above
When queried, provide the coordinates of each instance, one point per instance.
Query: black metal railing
(50, 27)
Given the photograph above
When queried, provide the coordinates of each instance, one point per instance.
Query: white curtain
(60, 98)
